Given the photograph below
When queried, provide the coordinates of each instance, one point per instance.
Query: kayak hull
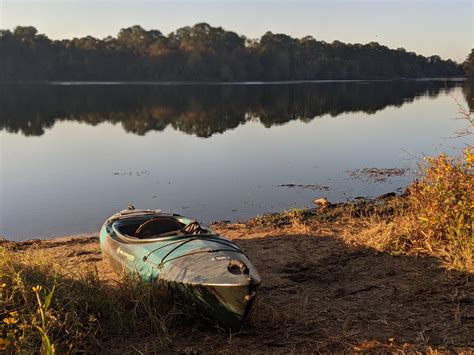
(200, 267)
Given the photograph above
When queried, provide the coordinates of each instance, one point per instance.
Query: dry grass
(441, 212)
(438, 218)
(44, 308)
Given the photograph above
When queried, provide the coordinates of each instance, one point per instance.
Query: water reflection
(77, 174)
(200, 110)
(468, 91)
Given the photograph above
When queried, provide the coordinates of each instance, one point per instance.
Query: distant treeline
(201, 110)
(205, 53)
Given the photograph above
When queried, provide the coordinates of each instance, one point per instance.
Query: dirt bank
(319, 293)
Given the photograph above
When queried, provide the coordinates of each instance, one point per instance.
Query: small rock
(322, 202)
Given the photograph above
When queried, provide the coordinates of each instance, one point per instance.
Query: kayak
(206, 267)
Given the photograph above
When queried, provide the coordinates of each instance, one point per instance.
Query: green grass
(380, 209)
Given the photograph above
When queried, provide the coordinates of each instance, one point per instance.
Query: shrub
(440, 209)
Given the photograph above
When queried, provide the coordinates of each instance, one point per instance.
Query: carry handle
(238, 264)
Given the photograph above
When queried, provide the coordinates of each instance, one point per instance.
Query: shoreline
(267, 215)
(243, 83)
(322, 288)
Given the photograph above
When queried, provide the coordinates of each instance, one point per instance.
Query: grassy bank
(344, 277)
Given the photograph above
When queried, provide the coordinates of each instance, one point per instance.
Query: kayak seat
(129, 229)
(158, 226)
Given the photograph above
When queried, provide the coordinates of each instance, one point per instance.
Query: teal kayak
(206, 267)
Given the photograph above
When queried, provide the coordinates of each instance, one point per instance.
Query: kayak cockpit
(155, 227)
(151, 227)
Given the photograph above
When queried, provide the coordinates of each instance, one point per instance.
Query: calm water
(72, 155)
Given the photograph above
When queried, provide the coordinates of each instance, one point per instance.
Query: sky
(443, 27)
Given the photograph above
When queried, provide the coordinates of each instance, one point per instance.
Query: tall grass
(43, 309)
(435, 218)
(441, 209)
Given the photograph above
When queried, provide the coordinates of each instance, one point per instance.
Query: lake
(72, 154)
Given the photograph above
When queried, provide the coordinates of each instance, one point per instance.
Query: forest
(206, 53)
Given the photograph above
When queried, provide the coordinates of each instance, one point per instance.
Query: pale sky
(427, 27)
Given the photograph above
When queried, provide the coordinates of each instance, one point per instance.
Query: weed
(45, 309)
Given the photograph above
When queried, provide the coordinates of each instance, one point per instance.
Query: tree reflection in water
(201, 110)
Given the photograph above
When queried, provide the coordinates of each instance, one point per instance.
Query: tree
(27, 33)
(469, 64)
